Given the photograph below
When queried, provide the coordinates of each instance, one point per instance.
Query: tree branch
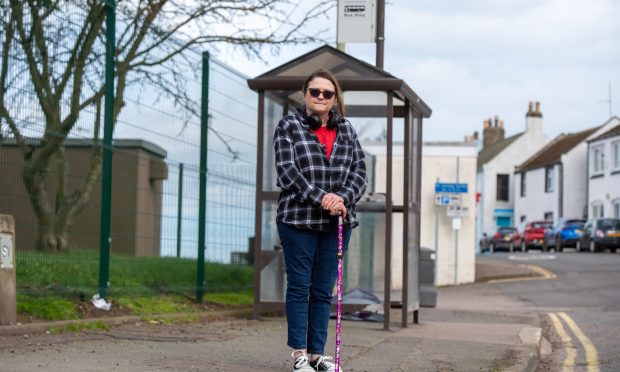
(17, 10)
(38, 34)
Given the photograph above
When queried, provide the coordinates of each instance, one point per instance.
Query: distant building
(496, 164)
(553, 183)
(604, 172)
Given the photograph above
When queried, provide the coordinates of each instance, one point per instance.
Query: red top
(327, 137)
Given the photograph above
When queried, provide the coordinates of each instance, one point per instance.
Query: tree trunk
(54, 215)
(51, 239)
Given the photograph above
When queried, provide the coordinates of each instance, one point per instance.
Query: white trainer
(302, 364)
(322, 364)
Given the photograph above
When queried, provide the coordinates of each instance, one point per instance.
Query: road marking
(546, 274)
(532, 257)
(571, 352)
(591, 353)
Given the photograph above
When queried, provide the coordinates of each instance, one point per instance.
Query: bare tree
(52, 58)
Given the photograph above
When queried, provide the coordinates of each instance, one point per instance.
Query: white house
(604, 172)
(553, 183)
(496, 164)
(449, 162)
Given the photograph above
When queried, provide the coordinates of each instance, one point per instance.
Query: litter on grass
(100, 303)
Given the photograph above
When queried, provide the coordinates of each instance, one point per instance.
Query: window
(549, 179)
(615, 149)
(616, 208)
(523, 182)
(598, 159)
(548, 216)
(597, 209)
(502, 187)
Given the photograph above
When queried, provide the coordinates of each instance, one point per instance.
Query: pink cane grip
(339, 294)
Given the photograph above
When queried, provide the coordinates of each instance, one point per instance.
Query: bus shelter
(380, 97)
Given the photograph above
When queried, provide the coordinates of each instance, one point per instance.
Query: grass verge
(60, 286)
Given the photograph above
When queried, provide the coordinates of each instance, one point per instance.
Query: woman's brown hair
(325, 74)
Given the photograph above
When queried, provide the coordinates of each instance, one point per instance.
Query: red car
(534, 235)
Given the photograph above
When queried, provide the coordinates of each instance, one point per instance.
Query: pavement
(473, 328)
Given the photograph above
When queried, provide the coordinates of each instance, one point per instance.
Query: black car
(599, 234)
(505, 238)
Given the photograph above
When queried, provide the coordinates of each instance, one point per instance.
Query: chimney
(533, 118)
(493, 131)
(472, 139)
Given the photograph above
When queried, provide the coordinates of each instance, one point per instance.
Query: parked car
(599, 234)
(534, 234)
(505, 238)
(564, 234)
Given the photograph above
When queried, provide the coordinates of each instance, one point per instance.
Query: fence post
(180, 210)
(202, 203)
(106, 175)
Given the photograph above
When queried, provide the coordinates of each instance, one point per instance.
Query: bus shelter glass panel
(273, 272)
(273, 114)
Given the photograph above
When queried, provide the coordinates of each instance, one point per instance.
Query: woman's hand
(330, 200)
(338, 210)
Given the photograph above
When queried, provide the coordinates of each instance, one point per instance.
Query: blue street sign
(450, 187)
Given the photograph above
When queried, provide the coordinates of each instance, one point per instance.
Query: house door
(503, 221)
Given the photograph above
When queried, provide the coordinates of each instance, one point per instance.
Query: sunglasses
(327, 94)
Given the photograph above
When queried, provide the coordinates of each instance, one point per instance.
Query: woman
(322, 174)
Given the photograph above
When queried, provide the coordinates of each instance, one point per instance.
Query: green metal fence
(155, 170)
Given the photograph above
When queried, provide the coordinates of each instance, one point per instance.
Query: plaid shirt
(305, 174)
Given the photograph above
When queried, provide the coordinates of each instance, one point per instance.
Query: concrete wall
(456, 250)
(439, 160)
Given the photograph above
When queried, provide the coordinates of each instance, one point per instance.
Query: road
(579, 308)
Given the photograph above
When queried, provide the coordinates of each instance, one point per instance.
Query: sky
(472, 60)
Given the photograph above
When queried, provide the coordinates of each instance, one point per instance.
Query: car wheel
(558, 245)
(613, 250)
(593, 247)
(578, 246)
(523, 247)
(511, 248)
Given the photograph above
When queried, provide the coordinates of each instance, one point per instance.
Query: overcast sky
(470, 60)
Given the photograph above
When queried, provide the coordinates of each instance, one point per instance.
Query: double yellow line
(592, 361)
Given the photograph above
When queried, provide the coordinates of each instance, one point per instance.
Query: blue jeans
(311, 270)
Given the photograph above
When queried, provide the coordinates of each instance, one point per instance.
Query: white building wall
(537, 201)
(456, 251)
(504, 163)
(439, 161)
(604, 188)
(575, 168)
